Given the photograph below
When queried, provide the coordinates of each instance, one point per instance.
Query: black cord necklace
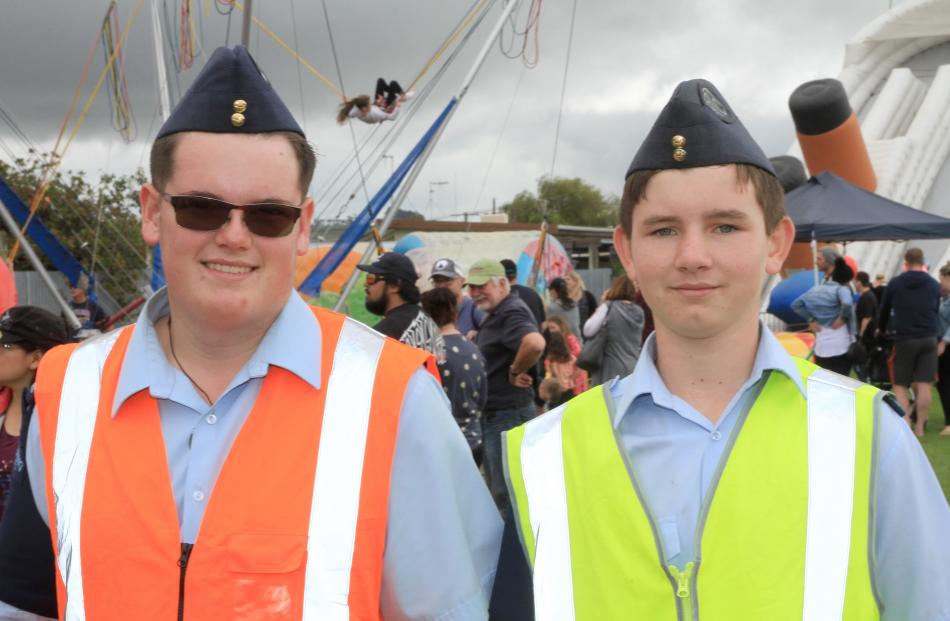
(171, 346)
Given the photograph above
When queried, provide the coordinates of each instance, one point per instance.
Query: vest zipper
(684, 583)
(684, 589)
(688, 577)
(182, 566)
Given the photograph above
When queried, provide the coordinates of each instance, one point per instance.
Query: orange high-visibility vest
(295, 527)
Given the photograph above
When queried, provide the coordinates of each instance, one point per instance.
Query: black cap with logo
(392, 264)
(33, 328)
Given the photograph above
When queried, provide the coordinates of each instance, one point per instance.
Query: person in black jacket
(528, 295)
(914, 298)
(27, 574)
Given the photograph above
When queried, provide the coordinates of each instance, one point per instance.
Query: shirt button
(715, 435)
(211, 419)
(198, 495)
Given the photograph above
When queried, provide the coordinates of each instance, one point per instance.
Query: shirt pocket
(268, 573)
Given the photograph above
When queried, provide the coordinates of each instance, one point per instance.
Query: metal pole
(391, 214)
(484, 51)
(246, 28)
(417, 168)
(11, 225)
(164, 100)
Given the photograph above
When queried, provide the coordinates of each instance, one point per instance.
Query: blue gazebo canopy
(828, 208)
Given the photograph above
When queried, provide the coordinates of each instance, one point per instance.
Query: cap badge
(713, 103)
(239, 106)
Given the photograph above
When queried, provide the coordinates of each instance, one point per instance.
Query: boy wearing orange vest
(235, 453)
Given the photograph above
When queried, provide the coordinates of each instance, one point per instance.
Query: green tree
(569, 201)
(98, 224)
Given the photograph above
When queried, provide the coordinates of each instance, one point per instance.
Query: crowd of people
(893, 334)
(239, 454)
(503, 357)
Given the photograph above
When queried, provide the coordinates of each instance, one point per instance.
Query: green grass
(355, 303)
(936, 446)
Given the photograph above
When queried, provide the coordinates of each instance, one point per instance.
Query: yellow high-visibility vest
(784, 533)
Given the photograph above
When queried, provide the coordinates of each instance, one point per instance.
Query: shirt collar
(646, 380)
(293, 342)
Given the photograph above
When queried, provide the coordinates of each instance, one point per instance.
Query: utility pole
(246, 28)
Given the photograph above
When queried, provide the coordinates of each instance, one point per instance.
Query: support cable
(539, 258)
(395, 131)
(560, 109)
(339, 75)
(57, 156)
(303, 108)
(501, 134)
(270, 33)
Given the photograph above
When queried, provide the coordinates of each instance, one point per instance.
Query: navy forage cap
(230, 96)
(697, 128)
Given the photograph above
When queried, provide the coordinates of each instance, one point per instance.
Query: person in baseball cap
(482, 271)
(390, 283)
(392, 265)
(446, 268)
(447, 273)
(26, 333)
(391, 292)
(32, 329)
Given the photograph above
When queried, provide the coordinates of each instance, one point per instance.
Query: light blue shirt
(444, 530)
(675, 453)
(824, 303)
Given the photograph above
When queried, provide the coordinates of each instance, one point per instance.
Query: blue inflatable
(786, 292)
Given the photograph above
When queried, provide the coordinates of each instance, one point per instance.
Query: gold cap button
(237, 119)
(240, 105)
(678, 142)
(679, 155)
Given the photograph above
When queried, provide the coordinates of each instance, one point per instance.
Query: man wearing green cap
(722, 479)
(511, 344)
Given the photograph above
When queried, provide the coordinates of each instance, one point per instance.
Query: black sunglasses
(201, 213)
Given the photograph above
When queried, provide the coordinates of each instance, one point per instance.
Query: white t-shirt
(375, 114)
(831, 342)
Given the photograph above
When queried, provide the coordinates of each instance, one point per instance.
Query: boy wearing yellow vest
(722, 479)
(237, 454)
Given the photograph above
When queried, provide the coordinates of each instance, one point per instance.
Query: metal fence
(31, 290)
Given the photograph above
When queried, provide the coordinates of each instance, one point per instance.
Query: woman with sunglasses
(27, 589)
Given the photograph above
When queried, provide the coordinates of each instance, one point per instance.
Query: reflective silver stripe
(542, 466)
(336, 488)
(832, 445)
(79, 403)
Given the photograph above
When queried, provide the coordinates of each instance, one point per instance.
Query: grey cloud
(627, 54)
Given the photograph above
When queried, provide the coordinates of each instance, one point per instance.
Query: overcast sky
(627, 57)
